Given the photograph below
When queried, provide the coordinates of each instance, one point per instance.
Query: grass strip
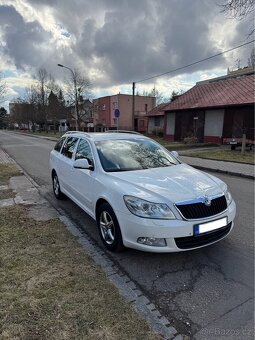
(4, 194)
(7, 171)
(226, 155)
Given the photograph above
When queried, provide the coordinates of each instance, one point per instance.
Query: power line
(196, 62)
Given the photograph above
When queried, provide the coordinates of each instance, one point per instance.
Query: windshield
(135, 154)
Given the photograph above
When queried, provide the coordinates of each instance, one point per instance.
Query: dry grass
(180, 146)
(6, 194)
(7, 171)
(50, 289)
(226, 155)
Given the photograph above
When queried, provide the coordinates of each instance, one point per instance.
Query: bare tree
(251, 59)
(239, 9)
(45, 84)
(160, 99)
(30, 100)
(56, 108)
(42, 79)
(77, 89)
(2, 87)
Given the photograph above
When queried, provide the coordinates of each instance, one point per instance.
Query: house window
(115, 121)
(103, 107)
(114, 105)
(157, 121)
(146, 107)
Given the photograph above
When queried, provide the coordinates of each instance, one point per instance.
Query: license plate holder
(203, 228)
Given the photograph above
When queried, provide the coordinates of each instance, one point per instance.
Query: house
(156, 120)
(104, 112)
(214, 109)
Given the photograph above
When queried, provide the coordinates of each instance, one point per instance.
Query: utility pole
(133, 107)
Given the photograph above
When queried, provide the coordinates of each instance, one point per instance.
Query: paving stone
(5, 158)
(6, 202)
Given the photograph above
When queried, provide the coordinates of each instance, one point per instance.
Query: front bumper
(133, 227)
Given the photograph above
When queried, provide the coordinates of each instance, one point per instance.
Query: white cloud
(117, 42)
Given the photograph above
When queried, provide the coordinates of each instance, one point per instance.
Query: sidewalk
(231, 168)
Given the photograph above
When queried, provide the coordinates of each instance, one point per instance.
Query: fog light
(152, 241)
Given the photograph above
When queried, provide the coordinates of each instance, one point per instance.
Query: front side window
(128, 155)
(59, 144)
(84, 151)
(69, 147)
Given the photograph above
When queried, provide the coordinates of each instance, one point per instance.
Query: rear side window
(69, 147)
(59, 144)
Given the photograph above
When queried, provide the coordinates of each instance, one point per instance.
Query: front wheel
(56, 187)
(109, 229)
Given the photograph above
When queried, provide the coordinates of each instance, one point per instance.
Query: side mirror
(82, 164)
(175, 154)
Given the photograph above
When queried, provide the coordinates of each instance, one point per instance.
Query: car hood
(175, 183)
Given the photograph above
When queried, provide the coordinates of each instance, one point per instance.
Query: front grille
(200, 210)
(195, 241)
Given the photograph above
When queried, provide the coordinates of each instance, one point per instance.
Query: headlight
(142, 208)
(228, 197)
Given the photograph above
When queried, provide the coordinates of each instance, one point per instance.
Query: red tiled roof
(158, 110)
(228, 92)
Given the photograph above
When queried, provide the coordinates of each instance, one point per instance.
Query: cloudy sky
(116, 42)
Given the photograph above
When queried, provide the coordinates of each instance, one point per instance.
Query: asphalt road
(206, 293)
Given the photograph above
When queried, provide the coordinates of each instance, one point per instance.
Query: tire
(56, 187)
(109, 229)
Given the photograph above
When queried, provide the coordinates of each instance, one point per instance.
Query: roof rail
(81, 132)
(123, 131)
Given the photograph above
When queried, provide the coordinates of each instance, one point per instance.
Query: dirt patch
(7, 171)
(6, 194)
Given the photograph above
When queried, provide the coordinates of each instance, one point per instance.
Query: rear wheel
(56, 187)
(109, 229)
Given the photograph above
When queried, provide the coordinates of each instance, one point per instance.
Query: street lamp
(75, 92)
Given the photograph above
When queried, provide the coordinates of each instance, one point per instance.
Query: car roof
(100, 136)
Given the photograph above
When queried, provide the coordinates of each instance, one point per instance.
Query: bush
(190, 140)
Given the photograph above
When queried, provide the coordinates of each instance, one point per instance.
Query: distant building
(104, 109)
(156, 120)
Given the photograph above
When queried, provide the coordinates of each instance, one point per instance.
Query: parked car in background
(140, 194)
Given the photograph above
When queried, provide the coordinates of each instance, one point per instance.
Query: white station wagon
(140, 194)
